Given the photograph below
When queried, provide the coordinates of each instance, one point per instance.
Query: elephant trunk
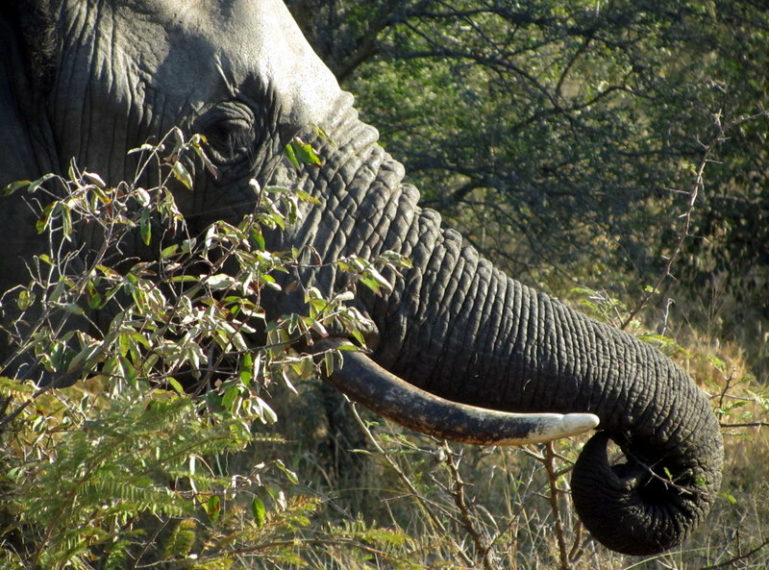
(458, 328)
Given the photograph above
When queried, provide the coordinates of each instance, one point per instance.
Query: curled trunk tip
(636, 508)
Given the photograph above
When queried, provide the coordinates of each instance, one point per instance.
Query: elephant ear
(27, 59)
(33, 23)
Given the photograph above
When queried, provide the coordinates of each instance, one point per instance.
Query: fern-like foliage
(128, 465)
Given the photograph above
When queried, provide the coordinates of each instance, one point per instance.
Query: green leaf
(304, 153)
(246, 368)
(24, 299)
(80, 362)
(182, 539)
(45, 218)
(259, 511)
(146, 147)
(66, 221)
(328, 362)
(95, 179)
(729, 498)
(258, 237)
(290, 475)
(14, 186)
(169, 251)
(73, 308)
(371, 283)
(305, 197)
(39, 182)
(184, 279)
(176, 385)
(229, 397)
(213, 507)
(221, 281)
(181, 173)
(358, 337)
(145, 227)
(93, 295)
(291, 154)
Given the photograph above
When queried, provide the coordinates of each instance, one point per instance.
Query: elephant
(459, 349)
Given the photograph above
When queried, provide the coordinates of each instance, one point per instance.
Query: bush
(191, 435)
(160, 380)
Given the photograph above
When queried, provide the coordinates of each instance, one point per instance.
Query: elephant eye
(229, 128)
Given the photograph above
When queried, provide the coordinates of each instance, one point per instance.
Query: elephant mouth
(364, 381)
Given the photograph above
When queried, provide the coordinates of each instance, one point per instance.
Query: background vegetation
(612, 153)
(582, 142)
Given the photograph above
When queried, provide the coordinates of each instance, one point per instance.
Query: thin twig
(694, 192)
(578, 547)
(733, 561)
(457, 492)
(258, 548)
(15, 413)
(421, 501)
(745, 425)
(150, 543)
(554, 492)
(697, 186)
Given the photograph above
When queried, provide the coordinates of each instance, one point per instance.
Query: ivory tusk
(366, 382)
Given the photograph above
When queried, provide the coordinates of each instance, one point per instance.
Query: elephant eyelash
(233, 142)
(230, 130)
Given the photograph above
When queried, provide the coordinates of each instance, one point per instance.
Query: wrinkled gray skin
(111, 75)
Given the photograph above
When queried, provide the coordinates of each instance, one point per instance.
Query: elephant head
(90, 80)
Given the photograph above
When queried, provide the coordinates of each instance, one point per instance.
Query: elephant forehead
(201, 43)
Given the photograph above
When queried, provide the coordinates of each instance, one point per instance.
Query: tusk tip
(579, 423)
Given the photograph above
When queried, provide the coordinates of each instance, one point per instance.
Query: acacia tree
(565, 138)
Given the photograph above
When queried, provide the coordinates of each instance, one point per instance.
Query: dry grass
(467, 507)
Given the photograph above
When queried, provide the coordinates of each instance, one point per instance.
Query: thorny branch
(421, 501)
(552, 476)
(723, 396)
(457, 492)
(698, 185)
(732, 563)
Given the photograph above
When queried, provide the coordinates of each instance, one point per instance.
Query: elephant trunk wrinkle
(458, 327)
